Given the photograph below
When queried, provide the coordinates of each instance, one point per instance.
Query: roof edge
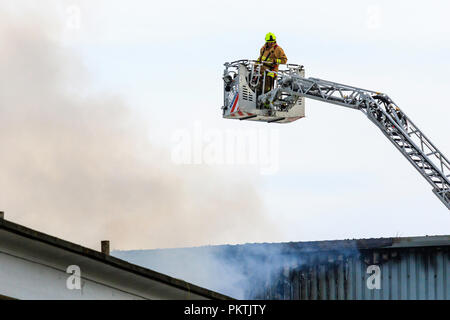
(323, 245)
(113, 261)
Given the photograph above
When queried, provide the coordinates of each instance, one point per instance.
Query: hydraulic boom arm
(383, 112)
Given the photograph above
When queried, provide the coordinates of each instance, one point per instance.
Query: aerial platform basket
(245, 99)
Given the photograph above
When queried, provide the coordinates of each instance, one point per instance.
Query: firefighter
(271, 55)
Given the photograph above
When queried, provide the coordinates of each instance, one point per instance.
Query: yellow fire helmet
(270, 37)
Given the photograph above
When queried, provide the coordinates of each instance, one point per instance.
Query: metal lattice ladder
(385, 114)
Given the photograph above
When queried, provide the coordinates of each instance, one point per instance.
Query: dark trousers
(268, 85)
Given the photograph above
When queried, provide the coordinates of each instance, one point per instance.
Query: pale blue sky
(339, 176)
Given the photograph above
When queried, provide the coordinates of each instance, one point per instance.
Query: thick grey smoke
(78, 165)
(250, 271)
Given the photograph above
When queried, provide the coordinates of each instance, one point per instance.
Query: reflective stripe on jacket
(275, 55)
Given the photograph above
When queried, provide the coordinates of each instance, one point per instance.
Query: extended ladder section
(382, 111)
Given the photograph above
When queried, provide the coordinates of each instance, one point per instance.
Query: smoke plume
(78, 165)
(249, 271)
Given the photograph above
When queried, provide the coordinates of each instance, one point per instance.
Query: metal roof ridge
(410, 241)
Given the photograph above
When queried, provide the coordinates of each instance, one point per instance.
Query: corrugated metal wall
(404, 273)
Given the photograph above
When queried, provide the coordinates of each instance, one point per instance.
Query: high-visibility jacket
(274, 55)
